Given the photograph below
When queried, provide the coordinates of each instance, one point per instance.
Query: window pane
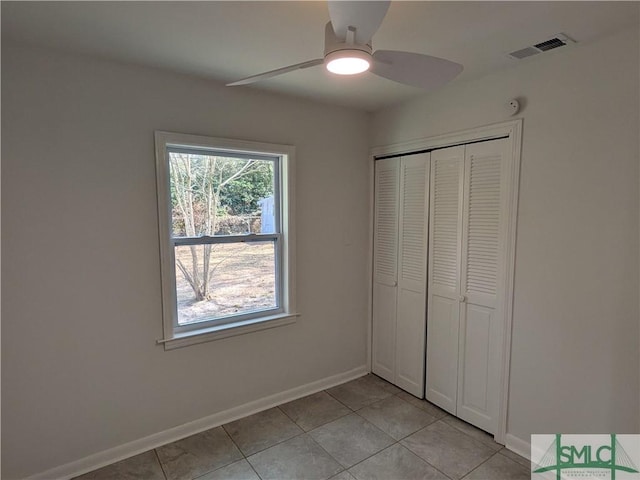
(214, 195)
(219, 280)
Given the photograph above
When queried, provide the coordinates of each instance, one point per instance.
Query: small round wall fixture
(513, 107)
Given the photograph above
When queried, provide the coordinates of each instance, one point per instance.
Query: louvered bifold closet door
(481, 331)
(445, 237)
(412, 273)
(385, 267)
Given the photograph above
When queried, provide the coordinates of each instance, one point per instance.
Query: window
(226, 236)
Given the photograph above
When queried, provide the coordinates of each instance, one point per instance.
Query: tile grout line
(478, 466)
(423, 459)
(285, 414)
(222, 466)
(317, 426)
(478, 442)
(155, 451)
(470, 436)
(396, 442)
(441, 419)
(414, 453)
(253, 468)
(373, 455)
(302, 432)
(244, 457)
(274, 445)
(233, 441)
(338, 400)
(513, 459)
(265, 448)
(351, 411)
(474, 440)
(408, 450)
(330, 456)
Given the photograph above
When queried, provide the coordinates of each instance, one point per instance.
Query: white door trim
(513, 130)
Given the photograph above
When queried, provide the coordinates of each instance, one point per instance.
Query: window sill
(228, 330)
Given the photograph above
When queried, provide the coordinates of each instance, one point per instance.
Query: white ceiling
(225, 41)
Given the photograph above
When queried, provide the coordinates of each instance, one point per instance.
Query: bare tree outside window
(217, 196)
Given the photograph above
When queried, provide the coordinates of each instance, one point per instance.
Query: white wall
(575, 327)
(81, 276)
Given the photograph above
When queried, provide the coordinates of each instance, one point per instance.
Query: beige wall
(81, 277)
(575, 344)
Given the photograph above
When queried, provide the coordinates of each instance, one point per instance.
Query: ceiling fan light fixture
(348, 62)
(348, 50)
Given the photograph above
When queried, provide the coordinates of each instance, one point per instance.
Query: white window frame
(176, 335)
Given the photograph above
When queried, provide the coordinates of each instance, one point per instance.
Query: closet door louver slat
(386, 223)
(413, 223)
(483, 228)
(445, 227)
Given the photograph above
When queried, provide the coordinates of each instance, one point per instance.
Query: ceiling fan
(348, 50)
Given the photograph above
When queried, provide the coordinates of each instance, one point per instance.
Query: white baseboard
(107, 457)
(519, 446)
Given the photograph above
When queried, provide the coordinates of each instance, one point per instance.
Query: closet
(440, 267)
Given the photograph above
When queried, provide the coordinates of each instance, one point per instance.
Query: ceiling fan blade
(276, 72)
(366, 17)
(415, 69)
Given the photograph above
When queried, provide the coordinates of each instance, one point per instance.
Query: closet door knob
(463, 298)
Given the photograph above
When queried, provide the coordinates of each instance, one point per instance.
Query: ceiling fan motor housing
(333, 44)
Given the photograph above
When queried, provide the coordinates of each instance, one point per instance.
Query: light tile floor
(363, 429)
